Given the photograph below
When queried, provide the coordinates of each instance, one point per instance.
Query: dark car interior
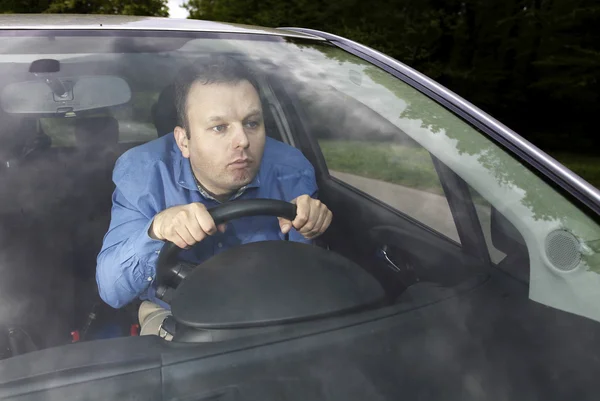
(64, 194)
(53, 191)
(441, 320)
(58, 188)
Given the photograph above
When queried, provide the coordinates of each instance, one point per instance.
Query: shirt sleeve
(126, 263)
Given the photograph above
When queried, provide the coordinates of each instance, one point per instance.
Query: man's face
(227, 135)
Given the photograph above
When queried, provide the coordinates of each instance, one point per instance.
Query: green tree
(124, 7)
(534, 64)
(24, 6)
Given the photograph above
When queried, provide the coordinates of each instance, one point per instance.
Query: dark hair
(215, 69)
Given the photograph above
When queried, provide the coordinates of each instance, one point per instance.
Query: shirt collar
(185, 178)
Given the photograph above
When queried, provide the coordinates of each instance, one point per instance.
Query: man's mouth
(240, 163)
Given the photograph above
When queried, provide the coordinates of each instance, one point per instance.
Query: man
(217, 153)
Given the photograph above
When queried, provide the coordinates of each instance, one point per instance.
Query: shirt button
(220, 245)
(149, 279)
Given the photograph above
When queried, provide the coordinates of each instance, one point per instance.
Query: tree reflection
(543, 202)
(538, 196)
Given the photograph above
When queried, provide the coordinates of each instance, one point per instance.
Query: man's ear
(182, 141)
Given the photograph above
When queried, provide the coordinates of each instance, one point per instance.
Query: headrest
(164, 113)
(96, 132)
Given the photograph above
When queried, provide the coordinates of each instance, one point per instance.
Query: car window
(380, 137)
(560, 239)
(557, 240)
(364, 150)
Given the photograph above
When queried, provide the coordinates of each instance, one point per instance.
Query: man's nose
(240, 139)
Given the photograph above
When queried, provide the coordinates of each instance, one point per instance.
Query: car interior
(61, 197)
(451, 301)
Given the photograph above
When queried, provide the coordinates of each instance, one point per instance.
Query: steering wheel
(170, 272)
(263, 283)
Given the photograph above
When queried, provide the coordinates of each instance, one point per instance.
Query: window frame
(308, 144)
(568, 184)
(576, 190)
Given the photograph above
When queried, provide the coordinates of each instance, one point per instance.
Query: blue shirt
(155, 176)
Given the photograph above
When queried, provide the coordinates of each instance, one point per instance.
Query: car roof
(113, 22)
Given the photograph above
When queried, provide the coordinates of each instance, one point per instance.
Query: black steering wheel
(258, 284)
(170, 272)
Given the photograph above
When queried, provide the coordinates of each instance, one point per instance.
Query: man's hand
(312, 218)
(184, 225)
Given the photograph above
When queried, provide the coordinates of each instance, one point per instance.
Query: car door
(424, 191)
(383, 148)
(398, 210)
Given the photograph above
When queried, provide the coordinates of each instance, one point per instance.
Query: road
(428, 208)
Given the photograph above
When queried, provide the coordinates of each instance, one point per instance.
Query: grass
(412, 167)
(403, 165)
(62, 131)
(396, 164)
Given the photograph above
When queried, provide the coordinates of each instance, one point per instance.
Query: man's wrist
(151, 232)
(146, 249)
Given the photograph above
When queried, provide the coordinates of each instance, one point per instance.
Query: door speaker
(563, 250)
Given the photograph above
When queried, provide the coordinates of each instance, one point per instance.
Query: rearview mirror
(53, 95)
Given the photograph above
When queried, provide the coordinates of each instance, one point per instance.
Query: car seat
(97, 140)
(35, 287)
(164, 113)
(95, 155)
(20, 138)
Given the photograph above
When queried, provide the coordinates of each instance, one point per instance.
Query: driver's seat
(164, 114)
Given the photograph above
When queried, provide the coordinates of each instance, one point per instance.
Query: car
(462, 263)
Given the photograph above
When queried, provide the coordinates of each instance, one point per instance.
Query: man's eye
(220, 128)
(252, 124)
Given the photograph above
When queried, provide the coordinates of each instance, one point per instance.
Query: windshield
(99, 136)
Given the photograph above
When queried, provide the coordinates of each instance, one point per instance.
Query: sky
(175, 9)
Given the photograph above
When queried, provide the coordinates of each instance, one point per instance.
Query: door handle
(384, 254)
